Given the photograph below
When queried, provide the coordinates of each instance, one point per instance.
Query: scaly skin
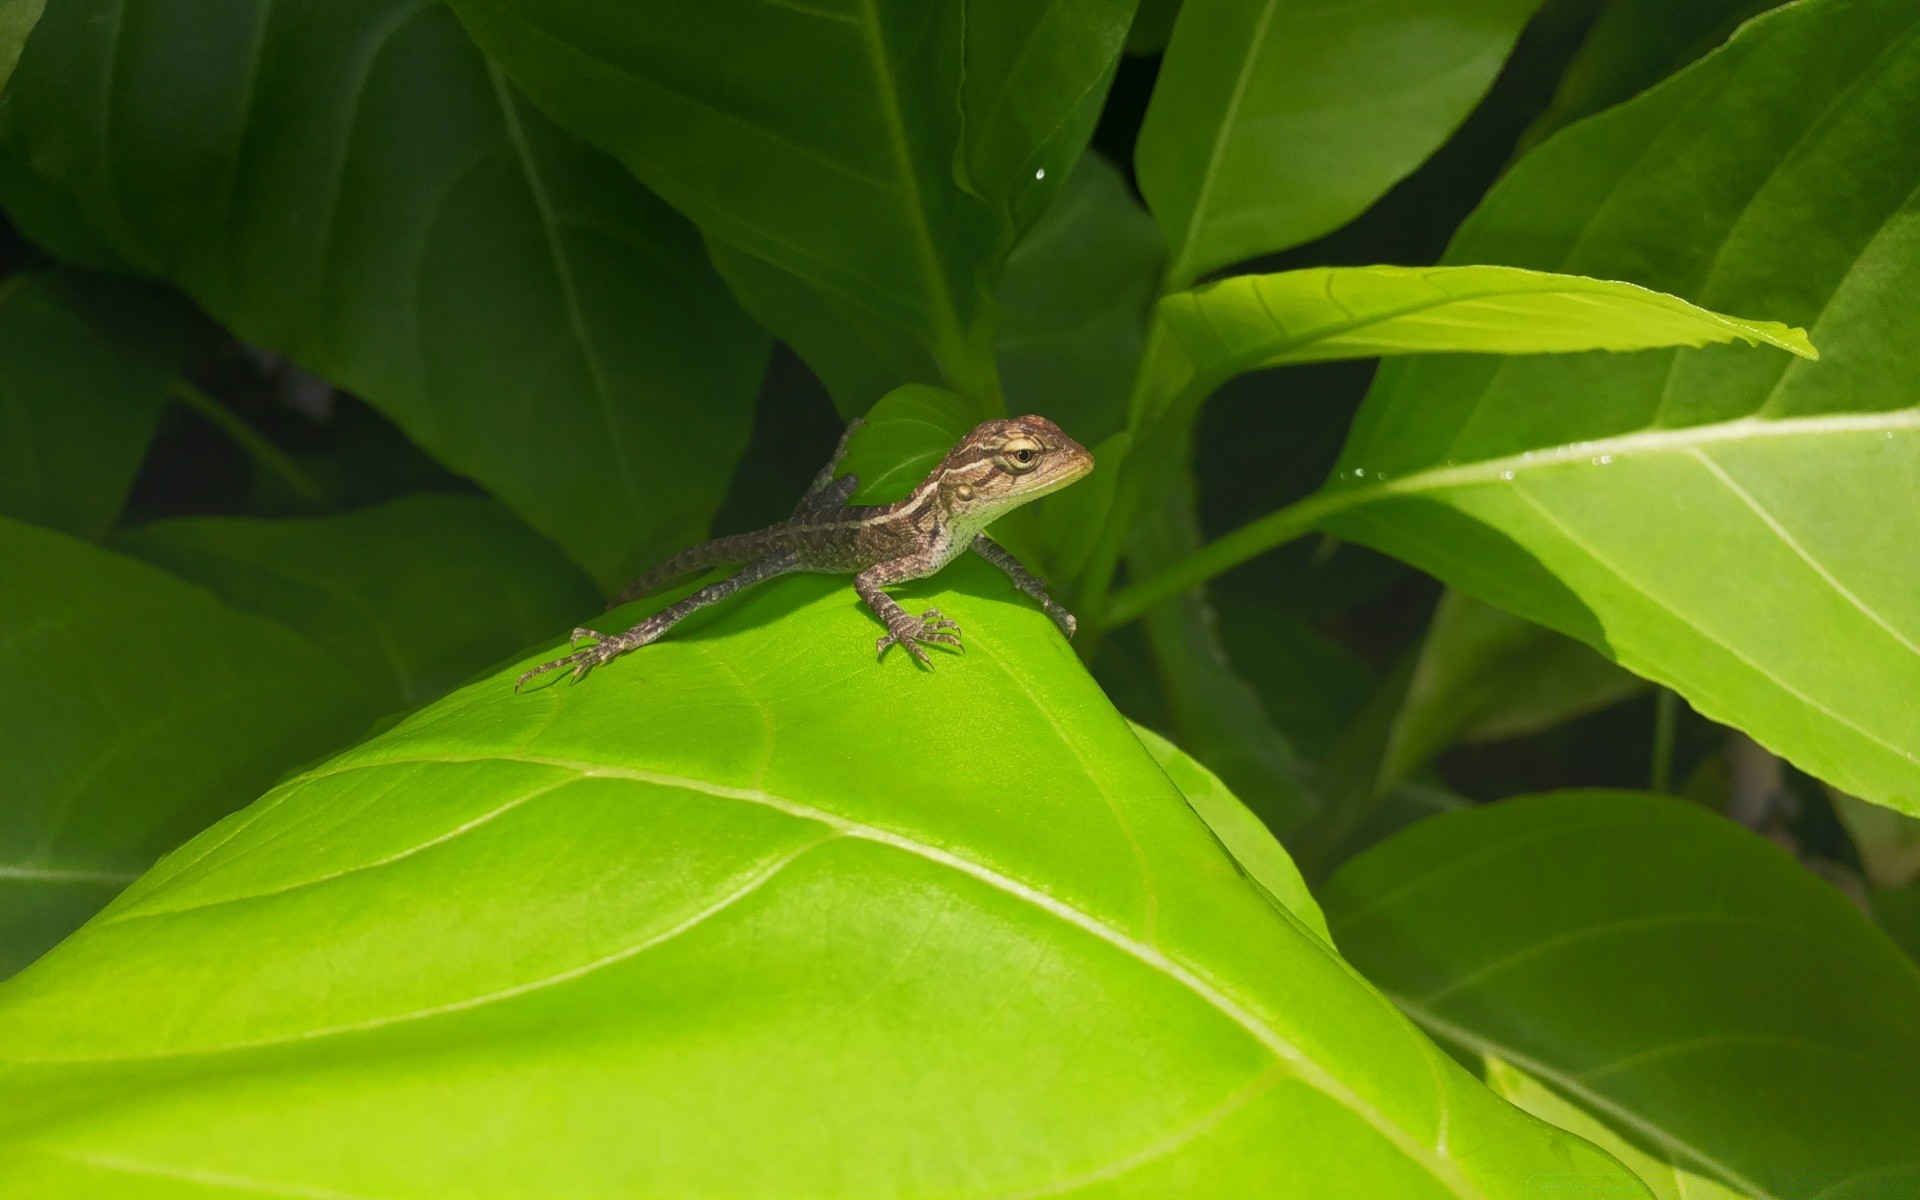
(995, 469)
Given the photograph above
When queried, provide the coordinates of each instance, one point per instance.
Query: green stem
(263, 452)
(1666, 718)
(1223, 554)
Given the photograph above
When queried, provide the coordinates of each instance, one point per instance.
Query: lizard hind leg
(608, 647)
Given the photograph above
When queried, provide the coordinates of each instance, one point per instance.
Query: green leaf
(1329, 313)
(353, 185)
(906, 933)
(1245, 836)
(17, 19)
(1276, 121)
(1666, 1179)
(413, 597)
(1682, 510)
(1077, 293)
(865, 164)
(137, 709)
(1152, 26)
(84, 366)
(1677, 977)
(1633, 45)
(903, 439)
(1311, 686)
(1485, 674)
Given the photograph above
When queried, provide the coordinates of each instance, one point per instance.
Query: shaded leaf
(722, 879)
(413, 597)
(1276, 121)
(85, 362)
(1077, 292)
(1485, 674)
(353, 185)
(866, 164)
(17, 19)
(1679, 510)
(137, 709)
(1677, 977)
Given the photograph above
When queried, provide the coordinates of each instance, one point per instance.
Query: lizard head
(1001, 465)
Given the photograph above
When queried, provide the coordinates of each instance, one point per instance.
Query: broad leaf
(900, 932)
(354, 185)
(17, 18)
(1730, 523)
(1485, 674)
(903, 439)
(862, 166)
(1077, 293)
(135, 709)
(1245, 836)
(1633, 45)
(85, 362)
(1330, 313)
(413, 597)
(1680, 979)
(1275, 121)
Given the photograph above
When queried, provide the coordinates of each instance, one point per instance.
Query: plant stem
(263, 452)
(1666, 716)
(1223, 554)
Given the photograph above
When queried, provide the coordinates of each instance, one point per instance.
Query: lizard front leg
(903, 629)
(609, 647)
(1025, 580)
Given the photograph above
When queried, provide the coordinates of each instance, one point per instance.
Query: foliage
(351, 354)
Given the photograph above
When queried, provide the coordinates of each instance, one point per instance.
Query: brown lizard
(996, 468)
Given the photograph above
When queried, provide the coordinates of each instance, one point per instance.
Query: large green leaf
(863, 166)
(1682, 980)
(1077, 293)
(1734, 524)
(84, 366)
(134, 709)
(1633, 45)
(413, 597)
(17, 19)
(1275, 121)
(899, 932)
(354, 185)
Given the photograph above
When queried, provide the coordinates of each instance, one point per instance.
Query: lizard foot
(604, 651)
(929, 628)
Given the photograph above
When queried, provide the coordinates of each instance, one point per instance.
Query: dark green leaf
(1485, 674)
(135, 710)
(1275, 121)
(352, 184)
(866, 164)
(904, 438)
(84, 366)
(899, 932)
(1679, 978)
(1685, 510)
(17, 18)
(1077, 292)
(414, 596)
(1633, 45)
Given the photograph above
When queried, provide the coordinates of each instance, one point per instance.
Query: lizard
(997, 467)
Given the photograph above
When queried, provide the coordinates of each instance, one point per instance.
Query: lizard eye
(1021, 456)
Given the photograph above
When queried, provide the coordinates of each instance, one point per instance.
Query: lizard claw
(604, 651)
(914, 633)
(583, 634)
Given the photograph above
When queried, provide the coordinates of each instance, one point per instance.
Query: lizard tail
(719, 552)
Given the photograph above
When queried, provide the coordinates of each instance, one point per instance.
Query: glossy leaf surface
(369, 196)
(1329, 313)
(84, 366)
(1276, 121)
(1676, 976)
(413, 596)
(590, 938)
(1732, 523)
(870, 160)
(136, 710)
